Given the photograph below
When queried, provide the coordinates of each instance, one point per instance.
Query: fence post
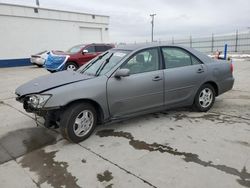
(212, 43)
(225, 52)
(190, 41)
(236, 41)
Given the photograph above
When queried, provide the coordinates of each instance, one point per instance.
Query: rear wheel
(204, 98)
(78, 122)
(71, 66)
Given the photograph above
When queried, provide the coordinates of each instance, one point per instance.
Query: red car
(74, 57)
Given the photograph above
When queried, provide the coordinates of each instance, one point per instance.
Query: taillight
(231, 67)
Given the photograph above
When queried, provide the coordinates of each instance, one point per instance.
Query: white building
(26, 30)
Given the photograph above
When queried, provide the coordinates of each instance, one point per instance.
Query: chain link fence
(237, 43)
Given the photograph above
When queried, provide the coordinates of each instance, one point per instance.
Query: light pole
(152, 22)
(37, 3)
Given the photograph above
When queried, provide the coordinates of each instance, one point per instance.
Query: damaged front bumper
(31, 107)
(50, 115)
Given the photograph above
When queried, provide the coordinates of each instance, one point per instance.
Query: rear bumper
(226, 85)
(37, 61)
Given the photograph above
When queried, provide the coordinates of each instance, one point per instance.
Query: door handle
(157, 78)
(200, 70)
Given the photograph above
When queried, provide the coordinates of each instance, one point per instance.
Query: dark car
(75, 57)
(125, 82)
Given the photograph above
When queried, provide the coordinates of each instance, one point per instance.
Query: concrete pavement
(176, 148)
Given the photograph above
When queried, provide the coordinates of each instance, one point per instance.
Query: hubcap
(206, 97)
(83, 123)
(71, 67)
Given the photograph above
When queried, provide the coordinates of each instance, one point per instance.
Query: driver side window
(91, 49)
(144, 61)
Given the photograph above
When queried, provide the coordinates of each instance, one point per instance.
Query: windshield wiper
(98, 71)
(99, 57)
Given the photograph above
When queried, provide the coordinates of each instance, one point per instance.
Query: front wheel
(78, 122)
(204, 98)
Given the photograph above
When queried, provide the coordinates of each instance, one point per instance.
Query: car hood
(50, 81)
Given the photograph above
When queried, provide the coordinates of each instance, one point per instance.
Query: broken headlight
(37, 100)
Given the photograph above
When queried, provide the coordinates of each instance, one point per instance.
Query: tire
(76, 132)
(71, 66)
(204, 98)
(39, 66)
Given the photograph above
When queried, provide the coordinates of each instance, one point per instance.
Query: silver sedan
(125, 82)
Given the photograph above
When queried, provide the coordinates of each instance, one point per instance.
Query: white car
(39, 58)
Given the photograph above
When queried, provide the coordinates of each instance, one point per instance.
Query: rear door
(184, 73)
(141, 90)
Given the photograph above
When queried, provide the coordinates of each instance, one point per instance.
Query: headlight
(38, 101)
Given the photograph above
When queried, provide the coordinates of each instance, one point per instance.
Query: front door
(141, 90)
(87, 56)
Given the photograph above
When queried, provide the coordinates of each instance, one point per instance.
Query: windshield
(103, 63)
(75, 49)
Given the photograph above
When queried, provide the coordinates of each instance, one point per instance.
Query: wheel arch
(96, 105)
(72, 61)
(214, 85)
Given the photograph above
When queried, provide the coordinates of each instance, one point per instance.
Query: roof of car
(135, 47)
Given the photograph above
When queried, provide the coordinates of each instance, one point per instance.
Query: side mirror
(85, 51)
(122, 73)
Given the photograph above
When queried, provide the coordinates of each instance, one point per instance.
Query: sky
(130, 20)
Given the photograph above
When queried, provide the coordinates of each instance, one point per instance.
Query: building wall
(24, 32)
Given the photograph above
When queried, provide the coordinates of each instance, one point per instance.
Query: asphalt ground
(174, 148)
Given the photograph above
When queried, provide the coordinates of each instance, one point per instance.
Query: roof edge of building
(52, 9)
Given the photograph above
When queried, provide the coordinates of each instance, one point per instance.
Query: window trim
(177, 47)
(160, 67)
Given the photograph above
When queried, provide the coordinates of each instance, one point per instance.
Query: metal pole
(152, 31)
(236, 41)
(225, 52)
(212, 43)
(37, 3)
(190, 41)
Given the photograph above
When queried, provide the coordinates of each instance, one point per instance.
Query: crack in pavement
(118, 166)
(244, 176)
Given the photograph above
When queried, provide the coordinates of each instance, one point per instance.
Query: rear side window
(108, 47)
(195, 61)
(176, 57)
(100, 48)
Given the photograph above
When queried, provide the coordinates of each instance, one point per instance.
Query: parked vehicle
(39, 58)
(125, 82)
(74, 57)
